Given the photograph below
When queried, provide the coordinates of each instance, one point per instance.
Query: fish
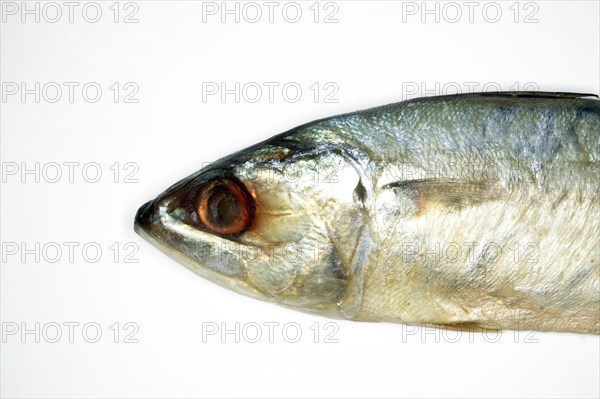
(471, 211)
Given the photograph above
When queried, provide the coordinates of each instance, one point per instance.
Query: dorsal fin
(527, 94)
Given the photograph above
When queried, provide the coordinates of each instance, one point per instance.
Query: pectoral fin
(453, 195)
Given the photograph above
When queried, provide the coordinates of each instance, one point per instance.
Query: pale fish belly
(518, 265)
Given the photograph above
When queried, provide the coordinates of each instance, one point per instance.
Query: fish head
(280, 222)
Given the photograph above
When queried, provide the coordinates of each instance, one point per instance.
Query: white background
(374, 54)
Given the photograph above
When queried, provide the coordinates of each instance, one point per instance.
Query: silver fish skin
(465, 211)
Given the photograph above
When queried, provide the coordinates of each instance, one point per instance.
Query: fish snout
(144, 216)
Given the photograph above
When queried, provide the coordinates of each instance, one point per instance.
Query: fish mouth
(187, 246)
(144, 217)
(144, 224)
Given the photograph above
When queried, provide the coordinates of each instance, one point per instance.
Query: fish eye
(225, 207)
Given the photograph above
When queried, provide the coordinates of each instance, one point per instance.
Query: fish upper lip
(144, 216)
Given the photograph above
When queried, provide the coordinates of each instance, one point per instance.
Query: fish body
(464, 211)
